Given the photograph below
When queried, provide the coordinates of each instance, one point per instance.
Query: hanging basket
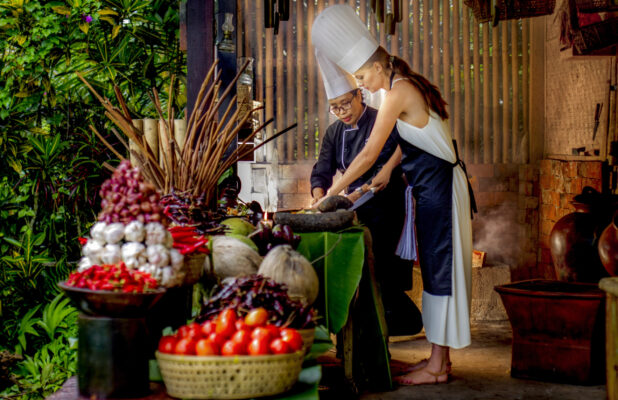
(597, 36)
(509, 9)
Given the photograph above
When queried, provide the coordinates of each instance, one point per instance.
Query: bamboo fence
(482, 73)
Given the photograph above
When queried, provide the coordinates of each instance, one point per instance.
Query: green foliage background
(51, 164)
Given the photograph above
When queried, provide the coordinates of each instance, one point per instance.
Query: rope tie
(406, 249)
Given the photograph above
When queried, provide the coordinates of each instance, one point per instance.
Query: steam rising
(496, 232)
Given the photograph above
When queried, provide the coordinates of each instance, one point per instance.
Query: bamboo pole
(515, 86)
(363, 11)
(486, 98)
(506, 122)
(269, 94)
(525, 61)
(311, 85)
(405, 32)
(416, 36)
(290, 87)
(322, 103)
(280, 88)
(467, 109)
(259, 50)
(495, 76)
(373, 24)
(249, 31)
(435, 33)
(300, 82)
(457, 82)
(446, 51)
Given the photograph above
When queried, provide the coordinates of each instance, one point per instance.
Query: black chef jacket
(341, 144)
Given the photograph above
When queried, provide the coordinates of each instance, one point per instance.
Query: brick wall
(559, 182)
(294, 185)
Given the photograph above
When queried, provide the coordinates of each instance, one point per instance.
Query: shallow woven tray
(238, 377)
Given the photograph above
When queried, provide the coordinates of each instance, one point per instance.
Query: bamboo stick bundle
(194, 164)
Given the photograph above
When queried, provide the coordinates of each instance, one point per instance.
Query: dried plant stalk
(195, 166)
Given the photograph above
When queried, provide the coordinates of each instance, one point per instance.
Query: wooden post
(151, 133)
(268, 98)
(416, 38)
(468, 110)
(495, 85)
(300, 83)
(525, 62)
(537, 88)
(200, 46)
(291, 87)
(435, 32)
(515, 84)
(456, 108)
(311, 84)
(280, 88)
(486, 98)
(506, 125)
(322, 113)
(446, 54)
(405, 32)
(139, 124)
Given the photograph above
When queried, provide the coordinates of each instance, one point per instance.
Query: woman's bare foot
(423, 376)
(423, 363)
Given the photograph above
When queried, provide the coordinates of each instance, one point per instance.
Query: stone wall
(560, 181)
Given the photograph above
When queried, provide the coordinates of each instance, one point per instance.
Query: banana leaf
(338, 259)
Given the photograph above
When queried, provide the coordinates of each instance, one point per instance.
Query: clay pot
(573, 246)
(608, 247)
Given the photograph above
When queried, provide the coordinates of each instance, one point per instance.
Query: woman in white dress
(436, 179)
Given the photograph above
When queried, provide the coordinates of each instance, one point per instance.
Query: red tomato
(261, 333)
(241, 326)
(185, 346)
(167, 344)
(242, 337)
(194, 331)
(217, 339)
(258, 347)
(278, 346)
(274, 330)
(226, 323)
(292, 338)
(256, 317)
(232, 348)
(208, 327)
(183, 331)
(206, 347)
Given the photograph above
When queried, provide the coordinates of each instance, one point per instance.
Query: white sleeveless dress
(447, 318)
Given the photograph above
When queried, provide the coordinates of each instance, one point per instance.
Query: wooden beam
(200, 46)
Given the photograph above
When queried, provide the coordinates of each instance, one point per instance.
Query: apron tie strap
(406, 249)
(460, 162)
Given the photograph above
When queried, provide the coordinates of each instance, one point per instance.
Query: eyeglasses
(344, 106)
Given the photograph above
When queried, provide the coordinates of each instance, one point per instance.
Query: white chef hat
(336, 81)
(340, 35)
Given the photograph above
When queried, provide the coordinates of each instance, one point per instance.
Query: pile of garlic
(146, 248)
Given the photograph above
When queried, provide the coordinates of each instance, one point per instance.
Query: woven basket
(308, 337)
(193, 268)
(238, 377)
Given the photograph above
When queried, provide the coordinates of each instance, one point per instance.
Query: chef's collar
(360, 121)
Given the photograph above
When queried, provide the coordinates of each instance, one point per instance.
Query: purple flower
(86, 18)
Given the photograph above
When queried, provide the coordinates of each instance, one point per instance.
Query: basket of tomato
(230, 357)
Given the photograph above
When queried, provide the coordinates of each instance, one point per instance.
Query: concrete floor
(480, 371)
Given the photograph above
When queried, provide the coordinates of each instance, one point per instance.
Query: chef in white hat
(439, 217)
(384, 213)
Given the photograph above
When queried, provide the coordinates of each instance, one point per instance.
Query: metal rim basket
(236, 377)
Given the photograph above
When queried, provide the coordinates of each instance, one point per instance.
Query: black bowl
(112, 304)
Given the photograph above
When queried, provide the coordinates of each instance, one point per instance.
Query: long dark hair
(431, 93)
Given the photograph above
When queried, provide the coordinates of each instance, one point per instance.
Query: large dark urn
(608, 247)
(573, 241)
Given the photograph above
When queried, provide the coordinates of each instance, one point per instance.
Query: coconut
(231, 258)
(285, 265)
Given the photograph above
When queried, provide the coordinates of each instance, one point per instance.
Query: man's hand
(317, 193)
(380, 181)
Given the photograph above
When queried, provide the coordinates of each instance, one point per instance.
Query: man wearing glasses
(384, 214)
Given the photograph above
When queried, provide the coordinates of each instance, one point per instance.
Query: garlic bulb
(158, 255)
(114, 232)
(111, 254)
(134, 232)
(84, 264)
(132, 250)
(97, 232)
(155, 233)
(93, 249)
